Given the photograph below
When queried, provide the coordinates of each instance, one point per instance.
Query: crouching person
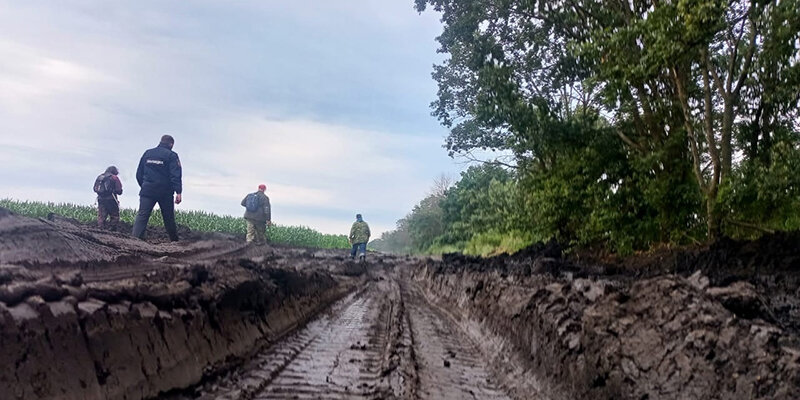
(108, 187)
(258, 215)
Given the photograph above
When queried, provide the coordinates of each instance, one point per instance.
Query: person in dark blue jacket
(159, 176)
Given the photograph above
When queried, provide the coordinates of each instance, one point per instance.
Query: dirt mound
(723, 260)
(34, 241)
(714, 323)
(138, 338)
(154, 234)
(770, 254)
(770, 264)
(537, 258)
(59, 244)
(94, 314)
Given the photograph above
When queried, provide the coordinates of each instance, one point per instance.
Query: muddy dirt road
(212, 318)
(90, 314)
(382, 341)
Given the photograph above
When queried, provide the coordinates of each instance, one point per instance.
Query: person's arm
(140, 171)
(368, 232)
(117, 185)
(267, 209)
(175, 173)
(352, 233)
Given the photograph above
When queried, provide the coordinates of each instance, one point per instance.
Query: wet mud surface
(338, 355)
(450, 365)
(382, 342)
(93, 314)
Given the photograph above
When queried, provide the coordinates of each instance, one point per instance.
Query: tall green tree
(678, 82)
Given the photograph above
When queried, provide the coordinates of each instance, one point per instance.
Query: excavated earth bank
(90, 314)
(598, 331)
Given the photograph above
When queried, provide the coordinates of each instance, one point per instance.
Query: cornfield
(195, 220)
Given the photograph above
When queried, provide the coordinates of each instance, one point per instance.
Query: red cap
(262, 187)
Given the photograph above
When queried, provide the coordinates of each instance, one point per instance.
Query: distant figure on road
(359, 236)
(258, 215)
(108, 187)
(159, 175)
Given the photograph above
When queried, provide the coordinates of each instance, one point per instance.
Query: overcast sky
(324, 101)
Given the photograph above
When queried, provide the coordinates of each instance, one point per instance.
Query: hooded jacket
(159, 173)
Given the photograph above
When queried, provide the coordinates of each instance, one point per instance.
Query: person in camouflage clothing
(108, 187)
(359, 236)
(257, 215)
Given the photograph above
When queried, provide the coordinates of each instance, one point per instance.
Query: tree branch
(629, 141)
(717, 80)
(734, 54)
(749, 226)
(641, 96)
(748, 59)
(687, 121)
(470, 158)
(709, 124)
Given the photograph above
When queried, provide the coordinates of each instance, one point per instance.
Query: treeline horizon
(628, 124)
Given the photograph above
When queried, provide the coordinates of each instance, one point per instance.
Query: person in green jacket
(359, 236)
(258, 215)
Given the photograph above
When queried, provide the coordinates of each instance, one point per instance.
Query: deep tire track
(383, 342)
(450, 366)
(339, 355)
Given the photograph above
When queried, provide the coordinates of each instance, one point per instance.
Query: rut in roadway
(384, 341)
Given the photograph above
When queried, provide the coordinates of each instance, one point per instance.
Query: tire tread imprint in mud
(342, 354)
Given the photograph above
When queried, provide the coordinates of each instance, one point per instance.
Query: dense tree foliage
(631, 122)
(479, 213)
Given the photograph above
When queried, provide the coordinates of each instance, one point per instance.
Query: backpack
(104, 185)
(252, 203)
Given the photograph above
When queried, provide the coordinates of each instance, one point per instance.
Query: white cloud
(303, 96)
(304, 146)
(34, 77)
(233, 190)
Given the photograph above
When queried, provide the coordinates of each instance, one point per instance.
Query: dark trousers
(167, 207)
(107, 209)
(358, 248)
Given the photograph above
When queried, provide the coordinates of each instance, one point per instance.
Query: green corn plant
(200, 221)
